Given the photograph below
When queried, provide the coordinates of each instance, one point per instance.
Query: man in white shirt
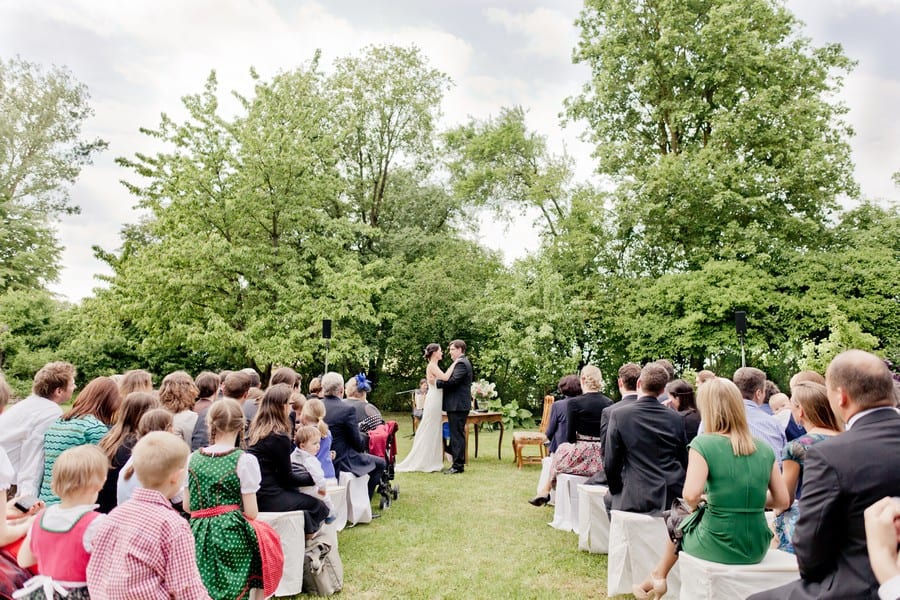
(22, 426)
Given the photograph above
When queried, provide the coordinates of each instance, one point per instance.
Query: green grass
(467, 536)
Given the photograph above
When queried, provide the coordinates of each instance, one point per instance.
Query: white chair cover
(338, 495)
(702, 579)
(289, 526)
(593, 522)
(565, 512)
(636, 543)
(359, 508)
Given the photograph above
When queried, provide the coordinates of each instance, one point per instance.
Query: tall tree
(42, 153)
(717, 122)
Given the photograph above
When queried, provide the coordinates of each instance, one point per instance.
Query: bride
(427, 453)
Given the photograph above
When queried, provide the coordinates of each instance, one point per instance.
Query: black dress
(278, 487)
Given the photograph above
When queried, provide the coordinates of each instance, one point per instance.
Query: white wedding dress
(427, 453)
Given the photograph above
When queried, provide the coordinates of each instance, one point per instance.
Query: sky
(138, 58)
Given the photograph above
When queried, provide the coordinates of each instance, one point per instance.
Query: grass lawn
(467, 536)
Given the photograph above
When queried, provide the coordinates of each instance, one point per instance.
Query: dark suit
(644, 456)
(842, 477)
(351, 453)
(604, 419)
(457, 402)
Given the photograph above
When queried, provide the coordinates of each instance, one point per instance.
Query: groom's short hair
(459, 344)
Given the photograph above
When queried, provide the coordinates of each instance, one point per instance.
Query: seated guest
(629, 373)
(207, 384)
(794, 429)
(122, 437)
(581, 454)
(155, 419)
(313, 413)
(178, 394)
(704, 376)
(732, 528)
(23, 425)
(350, 450)
(811, 409)
(357, 391)
(780, 404)
(144, 549)
(681, 396)
(644, 454)
(291, 378)
(235, 385)
(269, 440)
(60, 540)
(763, 426)
(842, 476)
(315, 388)
(137, 380)
(557, 433)
(882, 536)
(85, 423)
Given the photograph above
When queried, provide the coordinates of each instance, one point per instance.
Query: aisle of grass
(468, 536)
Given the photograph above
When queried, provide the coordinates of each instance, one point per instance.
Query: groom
(457, 402)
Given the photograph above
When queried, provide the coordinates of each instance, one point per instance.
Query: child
(144, 549)
(223, 480)
(60, 539)
(308, 440)
(313, 413)
(155, 419)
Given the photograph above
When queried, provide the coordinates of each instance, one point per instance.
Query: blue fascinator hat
(363, 384)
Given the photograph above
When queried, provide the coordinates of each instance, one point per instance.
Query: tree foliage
(42, 153)
(717, 122)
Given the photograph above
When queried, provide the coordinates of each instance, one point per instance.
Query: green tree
(42, 153)
(241, 258)
(498, 163)
(716, 122)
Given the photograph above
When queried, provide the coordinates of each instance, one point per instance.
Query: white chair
(705, 580)
(565, 512)
(359, 508)
(289, 526)
(338, 496)
(593, 522)
(636, 543)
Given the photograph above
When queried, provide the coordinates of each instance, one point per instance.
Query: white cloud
(548, 32)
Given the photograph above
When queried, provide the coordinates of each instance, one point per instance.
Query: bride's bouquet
(482, 392)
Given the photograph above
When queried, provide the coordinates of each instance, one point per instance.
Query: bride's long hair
(431, 349)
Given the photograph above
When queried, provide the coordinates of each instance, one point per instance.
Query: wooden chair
(520, 439)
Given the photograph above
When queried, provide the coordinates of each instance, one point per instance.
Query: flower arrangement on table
(482, 392)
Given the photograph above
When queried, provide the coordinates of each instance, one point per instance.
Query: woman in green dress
(734, 471)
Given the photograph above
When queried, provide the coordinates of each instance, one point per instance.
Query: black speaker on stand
(740, 324)
(326, 335)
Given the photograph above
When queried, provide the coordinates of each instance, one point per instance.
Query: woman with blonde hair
(734, 471)
(811, 409)
(581, 454)
(177, 393)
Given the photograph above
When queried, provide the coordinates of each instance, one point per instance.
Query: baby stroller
(383, 443)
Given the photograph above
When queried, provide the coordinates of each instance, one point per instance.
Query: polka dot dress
(227, 550)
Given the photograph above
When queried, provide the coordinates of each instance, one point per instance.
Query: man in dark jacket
(457, 403)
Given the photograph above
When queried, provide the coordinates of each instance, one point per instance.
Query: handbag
(323, 570)
(680, 519)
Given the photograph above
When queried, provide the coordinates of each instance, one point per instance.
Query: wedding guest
(23, 425)
(557, 432)
(732, 528)
(136, 380)
(681, 395)
(178, 394)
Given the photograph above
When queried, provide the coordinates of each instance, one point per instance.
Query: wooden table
(476, 419)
